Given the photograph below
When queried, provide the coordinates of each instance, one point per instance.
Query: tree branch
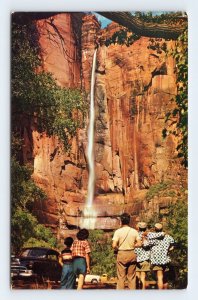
(167, 31)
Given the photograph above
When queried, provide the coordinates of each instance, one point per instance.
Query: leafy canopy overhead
(35, 94)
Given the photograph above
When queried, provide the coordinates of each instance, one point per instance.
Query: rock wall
(134, 89)
(57, 173)
(59, 49)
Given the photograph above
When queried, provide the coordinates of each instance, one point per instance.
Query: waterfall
(90, 152)
(89, 214)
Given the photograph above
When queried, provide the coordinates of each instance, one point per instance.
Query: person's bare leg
(143, 281)
(160, 280)
(80, 282)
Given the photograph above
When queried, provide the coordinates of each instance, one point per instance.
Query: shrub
(102, 256)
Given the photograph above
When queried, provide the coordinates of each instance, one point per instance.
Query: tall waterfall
(90, 152)
(89, 215)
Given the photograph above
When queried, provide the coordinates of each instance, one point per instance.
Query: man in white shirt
(125, 240)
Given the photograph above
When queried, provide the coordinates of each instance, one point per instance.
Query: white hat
(142, 225)
(158, 226)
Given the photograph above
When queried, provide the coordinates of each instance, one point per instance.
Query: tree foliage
(121, 37)
(25, 228)
(180, 113)
(102, 258)
(170, 18)
(23, 190)
(177, 226)
(175, 220)
(27, 232)
(35, 94)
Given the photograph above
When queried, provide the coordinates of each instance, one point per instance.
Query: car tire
(94, 281)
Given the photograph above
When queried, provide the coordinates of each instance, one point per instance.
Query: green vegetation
(180, 113)
(167, 17)
(177, 226)
(38, 103)
(23, 190)
(35, 94)
(161, 189)
(175, 220)
(25, 229)
(102, 257)
(121, 37)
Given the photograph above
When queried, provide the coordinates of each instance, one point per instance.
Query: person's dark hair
(82, 234)
(125, 219)
(158, 230)
(68, 241)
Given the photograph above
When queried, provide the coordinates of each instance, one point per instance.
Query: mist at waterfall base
(89, 215)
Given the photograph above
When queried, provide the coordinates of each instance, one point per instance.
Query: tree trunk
(167, 31)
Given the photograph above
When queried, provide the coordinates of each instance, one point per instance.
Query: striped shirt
(66, 255)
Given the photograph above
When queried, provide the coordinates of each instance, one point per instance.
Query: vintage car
(37, 262)
(91, 278)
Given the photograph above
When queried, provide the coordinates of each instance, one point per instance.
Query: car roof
(41, 248)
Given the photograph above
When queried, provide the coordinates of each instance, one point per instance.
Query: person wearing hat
(143, 257)
(160, 245)
(125, 239)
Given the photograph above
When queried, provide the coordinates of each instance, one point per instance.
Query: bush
(25, 229)
(177, 226)
(157, 189)
(102, 256)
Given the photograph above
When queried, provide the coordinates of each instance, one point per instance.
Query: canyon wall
(134, 90)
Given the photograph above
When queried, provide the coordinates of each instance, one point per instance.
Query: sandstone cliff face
(60, 49)
(133, 91)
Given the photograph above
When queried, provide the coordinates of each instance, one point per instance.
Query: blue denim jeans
(79, 265)
(68, 277)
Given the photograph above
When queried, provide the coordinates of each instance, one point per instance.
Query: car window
(25, 253)
(52, 256)
(34, 253)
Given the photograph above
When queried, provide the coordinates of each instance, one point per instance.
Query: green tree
(25, 228)
(36, 98)
(102, 257)
(23, 190)
(27, 232)
(177, 226)
(179, 115)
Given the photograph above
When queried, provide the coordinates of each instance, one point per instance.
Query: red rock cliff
(133, 91)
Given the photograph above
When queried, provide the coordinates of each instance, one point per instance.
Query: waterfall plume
(89, 214)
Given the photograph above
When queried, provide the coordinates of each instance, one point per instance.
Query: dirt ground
(33, 284)
(27, 284)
